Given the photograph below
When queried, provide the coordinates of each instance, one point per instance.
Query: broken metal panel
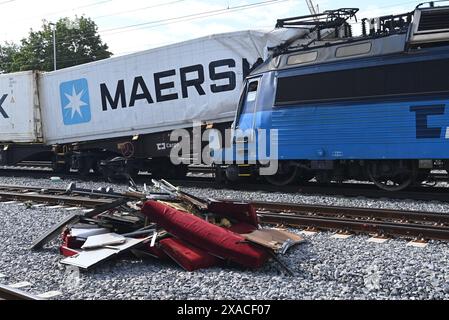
(55, 231)
(103, 240)
(276, 239)
(88, 259)
(86, 233)
(9, 293)
(72, 219)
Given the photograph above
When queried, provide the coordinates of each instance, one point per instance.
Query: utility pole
(54, 45)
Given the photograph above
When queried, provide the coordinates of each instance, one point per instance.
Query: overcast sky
(134, 25)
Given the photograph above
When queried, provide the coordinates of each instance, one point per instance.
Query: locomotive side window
(252, 91)
(302, 58)
(380, 82)
(353, 50)
(245, 119)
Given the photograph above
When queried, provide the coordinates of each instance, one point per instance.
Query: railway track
(380, 222)
(370, 191)
(366, 190)
(53, 196)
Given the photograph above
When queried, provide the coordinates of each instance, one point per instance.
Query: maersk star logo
(75, 102)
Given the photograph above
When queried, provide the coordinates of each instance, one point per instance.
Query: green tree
(7, 53)
(77, 42)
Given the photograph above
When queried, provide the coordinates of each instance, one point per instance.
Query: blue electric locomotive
(372, 107)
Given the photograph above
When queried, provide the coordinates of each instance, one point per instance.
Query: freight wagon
(20, 119)
(118, 113)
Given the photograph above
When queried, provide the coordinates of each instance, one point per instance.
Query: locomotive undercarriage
(389, 175)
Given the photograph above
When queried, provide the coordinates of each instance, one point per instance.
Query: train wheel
(391, 175)
(286, 175)
(304, 176)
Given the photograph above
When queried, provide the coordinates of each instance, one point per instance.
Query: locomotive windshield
(248, 105)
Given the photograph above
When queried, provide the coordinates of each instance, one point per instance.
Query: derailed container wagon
(21, 137)
(120, 112)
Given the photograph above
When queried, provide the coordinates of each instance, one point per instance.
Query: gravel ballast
(324, 267)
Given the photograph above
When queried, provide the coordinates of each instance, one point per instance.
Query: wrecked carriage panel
(89, 259)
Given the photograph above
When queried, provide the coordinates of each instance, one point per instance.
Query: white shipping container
(152, 91)
(20, 119)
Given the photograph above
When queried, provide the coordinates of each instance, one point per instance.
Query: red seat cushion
(214, 240)
(188, 256)
(155, 251)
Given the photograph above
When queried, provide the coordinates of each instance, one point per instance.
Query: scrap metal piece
(108, 193)
(282, 264)
(55, 231)
(103, 240)
(153, 239)
(9, 293)
(275, 239)
(20, 285)
(49, 294)
(86, 233)
(139, 233)
(88, 259)
(72, 219)
(171, 189)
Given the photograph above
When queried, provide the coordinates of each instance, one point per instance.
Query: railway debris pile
(169, 225)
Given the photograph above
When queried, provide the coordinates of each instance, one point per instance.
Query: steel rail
(408, 230)
(58, 191)
(53, 199)
(365, 213)
(410, 224)
(8, 293)
(8, 187)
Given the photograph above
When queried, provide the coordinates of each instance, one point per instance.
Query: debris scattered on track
(169, 225)
(324, 267)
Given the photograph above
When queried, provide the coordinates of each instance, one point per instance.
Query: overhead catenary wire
(197, 16)
(52, 13)
(138, 9)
